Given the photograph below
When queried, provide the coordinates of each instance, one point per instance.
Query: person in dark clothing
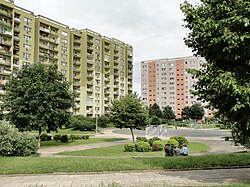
(168, 150)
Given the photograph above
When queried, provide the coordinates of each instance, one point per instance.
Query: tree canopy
(37, 98)
(168, 113)
(220, 33)
(154, 110)
(129, 112)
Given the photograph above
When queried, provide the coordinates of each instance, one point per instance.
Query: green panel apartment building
(99, 68)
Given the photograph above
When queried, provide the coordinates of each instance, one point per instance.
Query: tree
(185, 113)
(196, 111)
(37, 98)
(220, 33)
(168, 113)
(155, 121)
(129, 112)
(154, 110)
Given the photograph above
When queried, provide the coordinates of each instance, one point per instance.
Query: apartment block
(99, 68)
(167, 82)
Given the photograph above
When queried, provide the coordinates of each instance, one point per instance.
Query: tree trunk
(132, 133)
(39, 137)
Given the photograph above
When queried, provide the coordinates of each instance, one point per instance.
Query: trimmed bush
(142, 147)
(158, 145)
(129, 147)
(44, 137)
(151, 140)
(85, 137)
(141, 139)
(172, 142)
(57, 137)
(180, 139)
(82, 123)
(75, 137)
(64, 138)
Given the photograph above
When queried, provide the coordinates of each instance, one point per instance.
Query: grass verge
(118, 150)
(53, 143)
(36, 165)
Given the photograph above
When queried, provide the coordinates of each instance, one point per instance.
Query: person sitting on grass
(184, 150)
(168, 150)
(177, 151)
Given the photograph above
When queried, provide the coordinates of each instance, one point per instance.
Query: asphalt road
(180, 132)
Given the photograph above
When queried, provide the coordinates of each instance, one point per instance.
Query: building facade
(99, 68)
(167, 82)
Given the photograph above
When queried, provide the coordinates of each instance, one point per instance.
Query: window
(26, 55)
(64, 41)
(64, 33)
(64, 63)
(27, 47)
(27, 38)
(64, 71)
(27, 20)
(28, 29)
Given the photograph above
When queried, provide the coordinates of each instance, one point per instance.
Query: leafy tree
(154, 110)
(104, 121)
(168, 113)
(129, 112)
(155, 121)
(37, 98)
(196, 111)
(185, 113)
(220, 33)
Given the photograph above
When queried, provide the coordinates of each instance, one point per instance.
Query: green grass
(68, 131)
(53, 143)
(118, 150)
(35, 165)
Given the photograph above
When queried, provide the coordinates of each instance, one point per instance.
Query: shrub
(155, 121)
(85, 137)
(14, 144)
(142, 147)
(129, 147)
(172, 142)
(57, 137)
(104, 121)
(180, 139)
(24, 145)
(44, 137)
(82, 123)
(151, 140)
(75, 137)
(141, 139)
(158, 145)
(64, 138)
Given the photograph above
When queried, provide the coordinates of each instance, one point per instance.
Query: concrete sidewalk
(130, 179)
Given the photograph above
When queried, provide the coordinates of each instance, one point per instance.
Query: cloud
(153, 28)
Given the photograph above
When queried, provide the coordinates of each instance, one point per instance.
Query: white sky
(152, 27)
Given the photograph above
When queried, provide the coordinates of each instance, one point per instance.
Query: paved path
(125, 179)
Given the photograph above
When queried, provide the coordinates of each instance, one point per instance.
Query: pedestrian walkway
(130, 179)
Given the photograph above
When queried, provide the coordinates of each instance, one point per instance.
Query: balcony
(5, 62)
(16, 38)
(90, 57)
(44, 30)
(89, 90)
(17, 20)
(17, 29)
(5, 52)
(77, 41)
(2, 82)
(5, 42)
(76, 84)
(5, 13)
(5, 23)
(90, 68)
(5, 72)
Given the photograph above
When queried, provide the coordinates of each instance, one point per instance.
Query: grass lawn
(119, 151)
(35, 165)
(53, 143)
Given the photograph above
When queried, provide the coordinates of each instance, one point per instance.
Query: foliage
(129, 147)
(104, 121)
(173, 142)
(85, 137)
(155, 121)
(151, 140)
(142, 146)
(57, 137)
(154, 110)
(73, 137)
(129, 112)
(180, 139)
(196, 111)
(141, 139)
(44, 137)
(82, 123)
(37, 98)
(168, 113)
(14, 144)
(64, 138)
(220, 33)
(158, 145)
